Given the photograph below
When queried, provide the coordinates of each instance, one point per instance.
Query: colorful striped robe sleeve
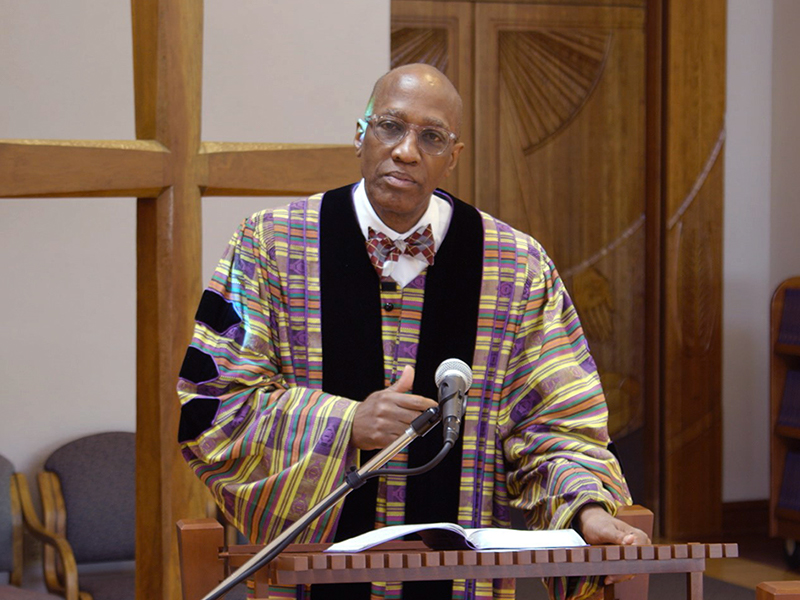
(554, 434)
(267, 446)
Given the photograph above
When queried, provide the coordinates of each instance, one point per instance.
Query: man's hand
(599, 527)
(385, 415)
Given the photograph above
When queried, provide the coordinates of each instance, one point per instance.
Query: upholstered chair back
(6, 529)
(97, 479)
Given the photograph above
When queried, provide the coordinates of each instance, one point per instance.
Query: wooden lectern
(205, 562)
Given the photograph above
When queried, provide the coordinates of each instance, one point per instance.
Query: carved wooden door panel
(560, 154)
(558, 149)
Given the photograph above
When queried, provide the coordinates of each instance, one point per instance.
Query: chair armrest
(17, 554)
(637, 516)
(642, 518)
(69, 587)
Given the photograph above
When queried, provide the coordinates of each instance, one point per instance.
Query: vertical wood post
(199, 541)
(168, 67)
(693, 142)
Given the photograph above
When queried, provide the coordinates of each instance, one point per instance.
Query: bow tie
(418, 245)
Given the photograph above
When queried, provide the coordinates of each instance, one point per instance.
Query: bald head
(420, 78)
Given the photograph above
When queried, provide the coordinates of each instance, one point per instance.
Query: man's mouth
(400, 179)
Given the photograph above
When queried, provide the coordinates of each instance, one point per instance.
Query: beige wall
(785, 217)
(762, 214)
(746, 251)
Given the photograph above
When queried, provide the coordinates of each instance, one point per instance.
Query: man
(312, 309)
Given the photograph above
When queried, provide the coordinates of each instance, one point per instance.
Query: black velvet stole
(352, 348)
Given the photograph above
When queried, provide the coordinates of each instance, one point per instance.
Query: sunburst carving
(417, 45)
(547, 76)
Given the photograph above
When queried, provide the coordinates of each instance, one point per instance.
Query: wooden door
(560, 144)
(558, 148)
(598, 128)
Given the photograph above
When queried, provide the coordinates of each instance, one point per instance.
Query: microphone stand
(354, 479)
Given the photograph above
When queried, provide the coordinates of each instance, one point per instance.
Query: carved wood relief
(548, 76)
(419, 45)
(694, 97)
(569, 169)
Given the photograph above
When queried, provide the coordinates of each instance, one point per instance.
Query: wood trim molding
(748, 517)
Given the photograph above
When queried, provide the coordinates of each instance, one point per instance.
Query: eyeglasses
(391, 130)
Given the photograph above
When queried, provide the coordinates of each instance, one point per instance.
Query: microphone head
(454, 366)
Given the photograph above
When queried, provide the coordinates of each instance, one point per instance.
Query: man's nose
(407, 149)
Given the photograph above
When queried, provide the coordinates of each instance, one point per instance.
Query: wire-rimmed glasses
(391, 130)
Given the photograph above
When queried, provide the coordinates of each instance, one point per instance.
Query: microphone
(453, 377)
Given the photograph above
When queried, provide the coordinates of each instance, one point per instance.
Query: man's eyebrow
(394, 112)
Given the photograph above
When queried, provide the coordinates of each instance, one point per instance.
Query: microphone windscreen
(453, 364)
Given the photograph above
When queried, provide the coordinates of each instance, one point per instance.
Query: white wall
(785, 217)
(67, 311)
(746, 251)
(762, 214)
(299, 71)
(276, 71)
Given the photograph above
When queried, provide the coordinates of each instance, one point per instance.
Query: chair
(88, 493)
(12, 486)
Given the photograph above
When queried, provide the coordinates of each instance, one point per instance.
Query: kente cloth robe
(260, 432)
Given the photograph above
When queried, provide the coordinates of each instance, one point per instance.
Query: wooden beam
(168, 68)
(277, 169)
(60, 168)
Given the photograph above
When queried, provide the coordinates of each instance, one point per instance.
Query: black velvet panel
(352, 348)
(197, 415)
(353, 356)
(198, 367)
(448, 330)
(216, 312)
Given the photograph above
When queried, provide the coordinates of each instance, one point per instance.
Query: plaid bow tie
(382, 250)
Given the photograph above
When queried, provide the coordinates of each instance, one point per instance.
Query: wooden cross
(168, 168)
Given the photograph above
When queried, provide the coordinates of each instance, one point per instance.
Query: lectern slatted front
(205, 562)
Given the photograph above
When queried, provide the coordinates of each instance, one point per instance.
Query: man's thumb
(406, 381)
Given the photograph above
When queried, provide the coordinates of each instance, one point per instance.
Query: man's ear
(457, 148)
(361, 129)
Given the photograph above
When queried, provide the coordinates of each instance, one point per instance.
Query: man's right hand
(385, 415)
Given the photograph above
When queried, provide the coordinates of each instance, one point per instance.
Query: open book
(448, 536)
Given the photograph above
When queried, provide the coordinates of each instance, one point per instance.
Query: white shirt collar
(437, 215)
(406, 268)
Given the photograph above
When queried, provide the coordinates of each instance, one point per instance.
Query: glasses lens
(433, 141)
(389, 130)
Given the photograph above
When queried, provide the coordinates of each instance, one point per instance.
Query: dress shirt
(406, 268)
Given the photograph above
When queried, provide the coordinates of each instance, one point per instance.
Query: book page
(516, 539)
(385, 534)
(449, 536)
